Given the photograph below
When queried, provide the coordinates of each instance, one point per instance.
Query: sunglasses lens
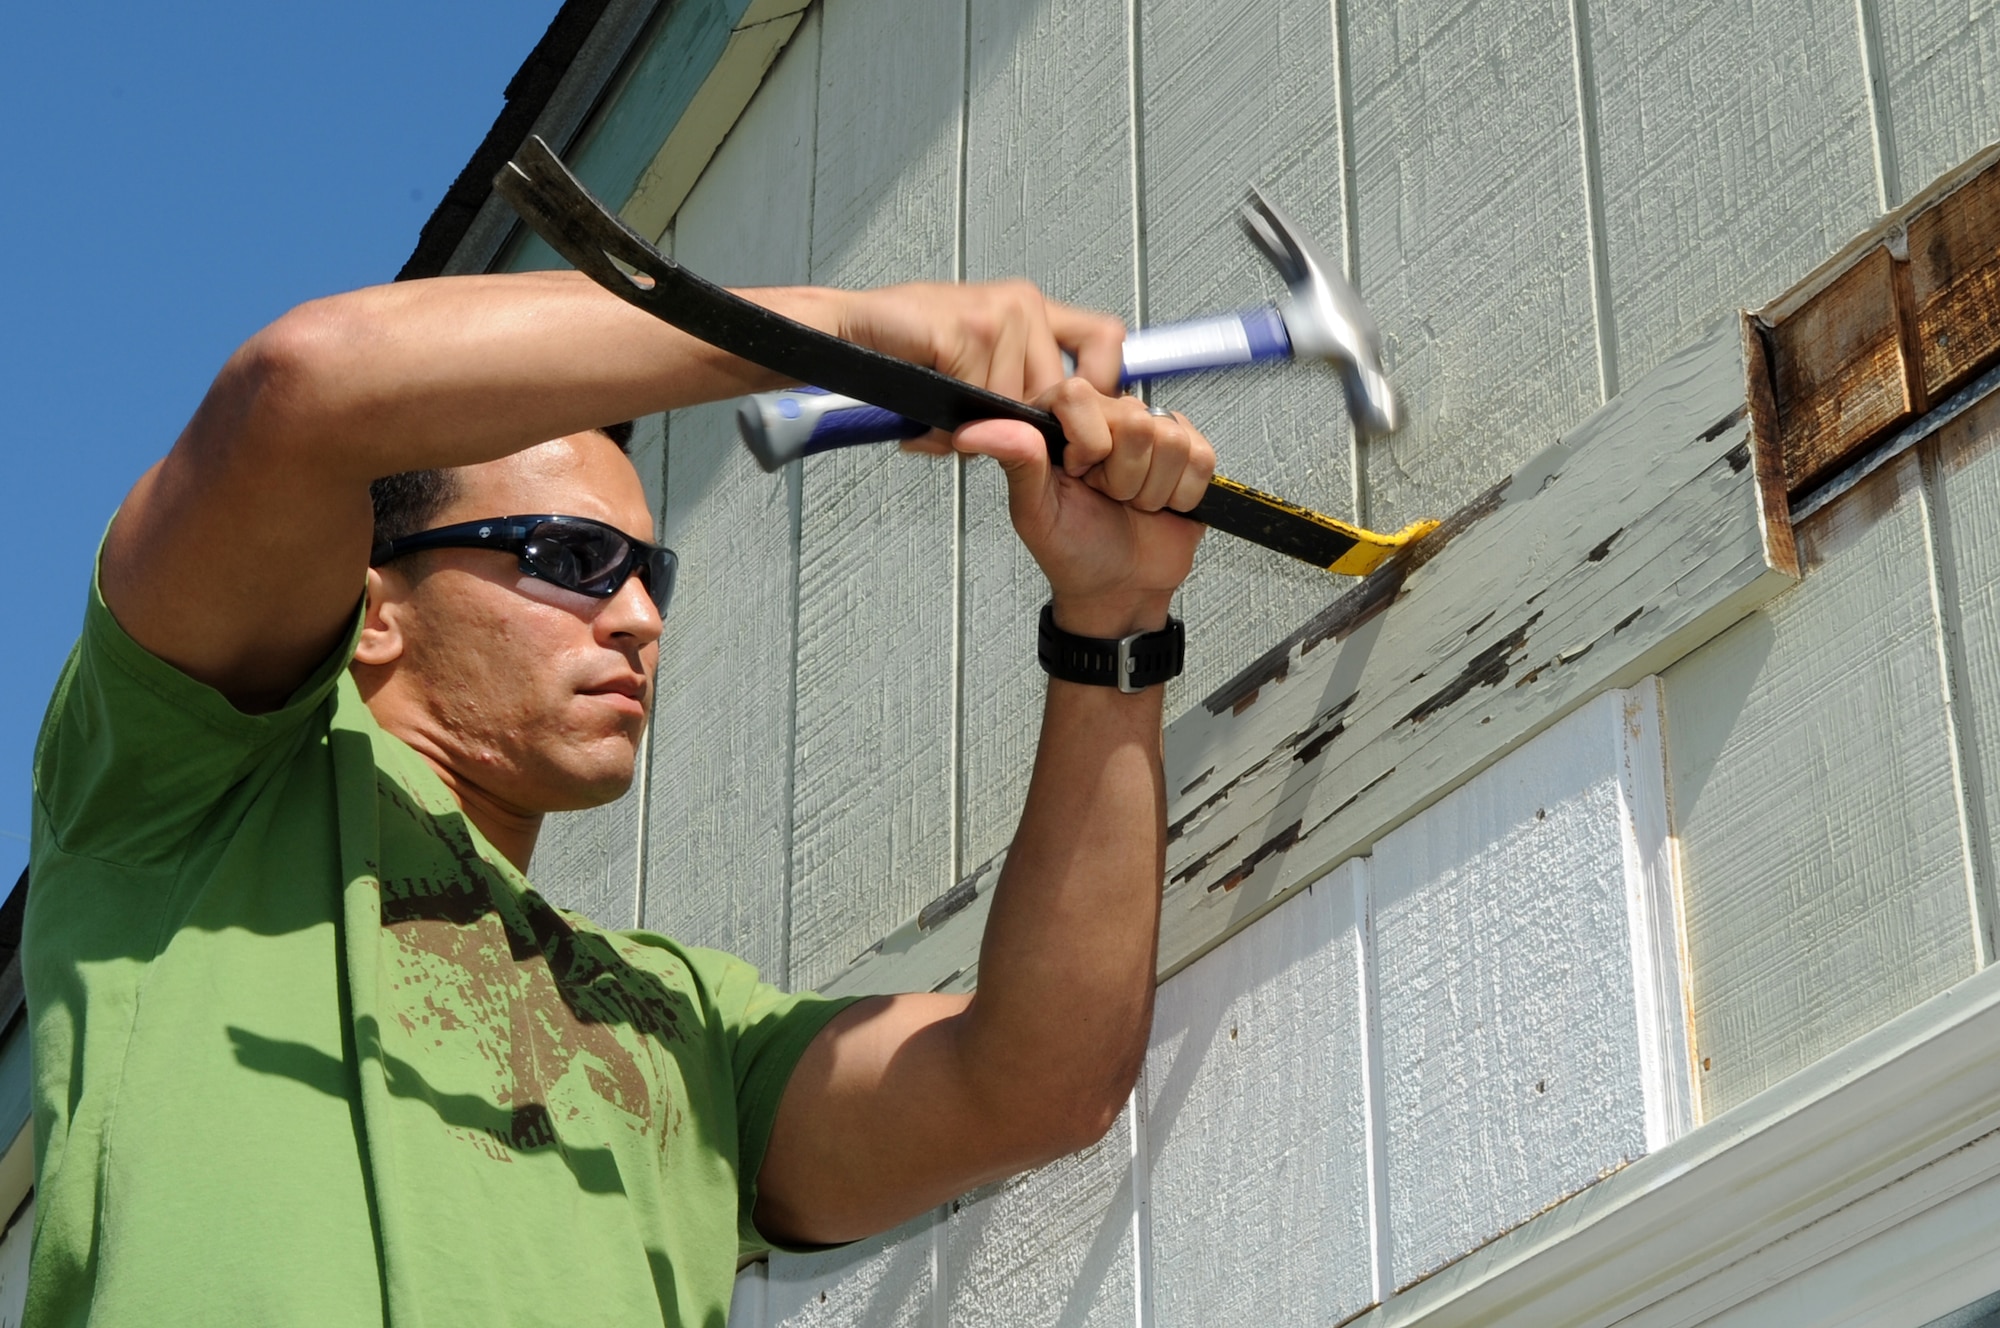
(660, 569)
(576, 556)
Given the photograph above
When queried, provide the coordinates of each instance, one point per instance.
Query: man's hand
(1005, 336)
(1103, 527)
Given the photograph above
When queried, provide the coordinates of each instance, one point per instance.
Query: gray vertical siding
(1540, 201)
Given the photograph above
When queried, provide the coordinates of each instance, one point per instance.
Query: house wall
(1543, 203)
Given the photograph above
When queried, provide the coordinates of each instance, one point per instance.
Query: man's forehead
(582, 475)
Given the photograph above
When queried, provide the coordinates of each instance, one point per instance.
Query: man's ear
(382, 629)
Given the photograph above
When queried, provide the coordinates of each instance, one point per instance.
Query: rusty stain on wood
(1955, 281)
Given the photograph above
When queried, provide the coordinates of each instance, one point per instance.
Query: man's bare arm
(905, 1101)
(239, 557)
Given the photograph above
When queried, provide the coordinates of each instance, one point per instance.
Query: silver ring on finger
(1159, 412)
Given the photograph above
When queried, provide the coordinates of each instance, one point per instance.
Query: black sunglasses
(573, 552)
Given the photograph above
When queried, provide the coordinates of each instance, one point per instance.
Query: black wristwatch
(1131, 663)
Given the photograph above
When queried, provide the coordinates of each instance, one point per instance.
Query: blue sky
(179, 175)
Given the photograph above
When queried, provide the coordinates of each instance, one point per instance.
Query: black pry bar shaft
(576, 225)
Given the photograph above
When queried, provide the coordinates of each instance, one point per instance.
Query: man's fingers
(1197, 472)
(1083, 413)
(1172, 441)
(1097, 340)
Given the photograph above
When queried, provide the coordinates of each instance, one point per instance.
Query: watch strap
(1131, 663)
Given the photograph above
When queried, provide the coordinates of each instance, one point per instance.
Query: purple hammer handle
(780, 427)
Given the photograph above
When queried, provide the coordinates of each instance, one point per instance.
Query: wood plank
(1048, 196)
(1637, 537)
(1234, 93)
(1955, 281)
(885, 1281)
(720, 826)
(874, 765)
(1964, 465)
(1641, 535)
(1469, 193)
(1256, 1127)
(1823, 877)
(1737, 152)
(1941, 62)
(1055, 1246)
(1504, 969)
(592, 861)
(1841, 377)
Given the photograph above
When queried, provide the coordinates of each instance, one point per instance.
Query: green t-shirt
(309, 1051)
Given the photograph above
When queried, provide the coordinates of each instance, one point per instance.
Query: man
(308, 1047)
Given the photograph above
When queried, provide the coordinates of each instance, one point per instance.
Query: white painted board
(874, 759)
(1053, 1248)
(1256, 1124)
(1234, 94)
(1048, 180)
(1736, 152)
(1511, 1071)
(1470, 227)
(884, 1282)
(720, 823)
(1823, 877)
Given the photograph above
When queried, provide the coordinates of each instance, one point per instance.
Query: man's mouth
(626, 694)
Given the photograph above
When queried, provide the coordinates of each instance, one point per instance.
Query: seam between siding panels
(1350, 239)
(1584, 66)
(1875, 79)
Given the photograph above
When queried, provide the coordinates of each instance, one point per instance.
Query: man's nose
(629, 617)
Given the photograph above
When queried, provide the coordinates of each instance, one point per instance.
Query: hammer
(1321, 318)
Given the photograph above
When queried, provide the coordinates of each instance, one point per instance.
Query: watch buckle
(1127, 665)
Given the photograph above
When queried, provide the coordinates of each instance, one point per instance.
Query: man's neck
(506, 827)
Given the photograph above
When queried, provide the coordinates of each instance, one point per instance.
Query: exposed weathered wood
(710, 116)
(1822, 873)
(593, 861)
(1255, 1126)
(1955, 279)
(1941, 62)
(1469, 190)
(1965, 468)
(874, 763)
(1233, 94)
(1619, 549)
(720, 824)
(1787, 1180)
(1504, 971)
(1052, 1247)
(1841, 376)
(1048, 181)
(1641, 535)
(883, 1282)
(1736, 151)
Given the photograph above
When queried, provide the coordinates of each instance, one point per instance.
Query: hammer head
(1324, 315)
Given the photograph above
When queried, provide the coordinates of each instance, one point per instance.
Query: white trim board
(1788, 1182)
(1643, 533)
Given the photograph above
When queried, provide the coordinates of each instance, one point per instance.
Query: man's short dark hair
(409, 502)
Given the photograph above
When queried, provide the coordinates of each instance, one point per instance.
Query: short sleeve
(133, 753)
(767, 1032)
